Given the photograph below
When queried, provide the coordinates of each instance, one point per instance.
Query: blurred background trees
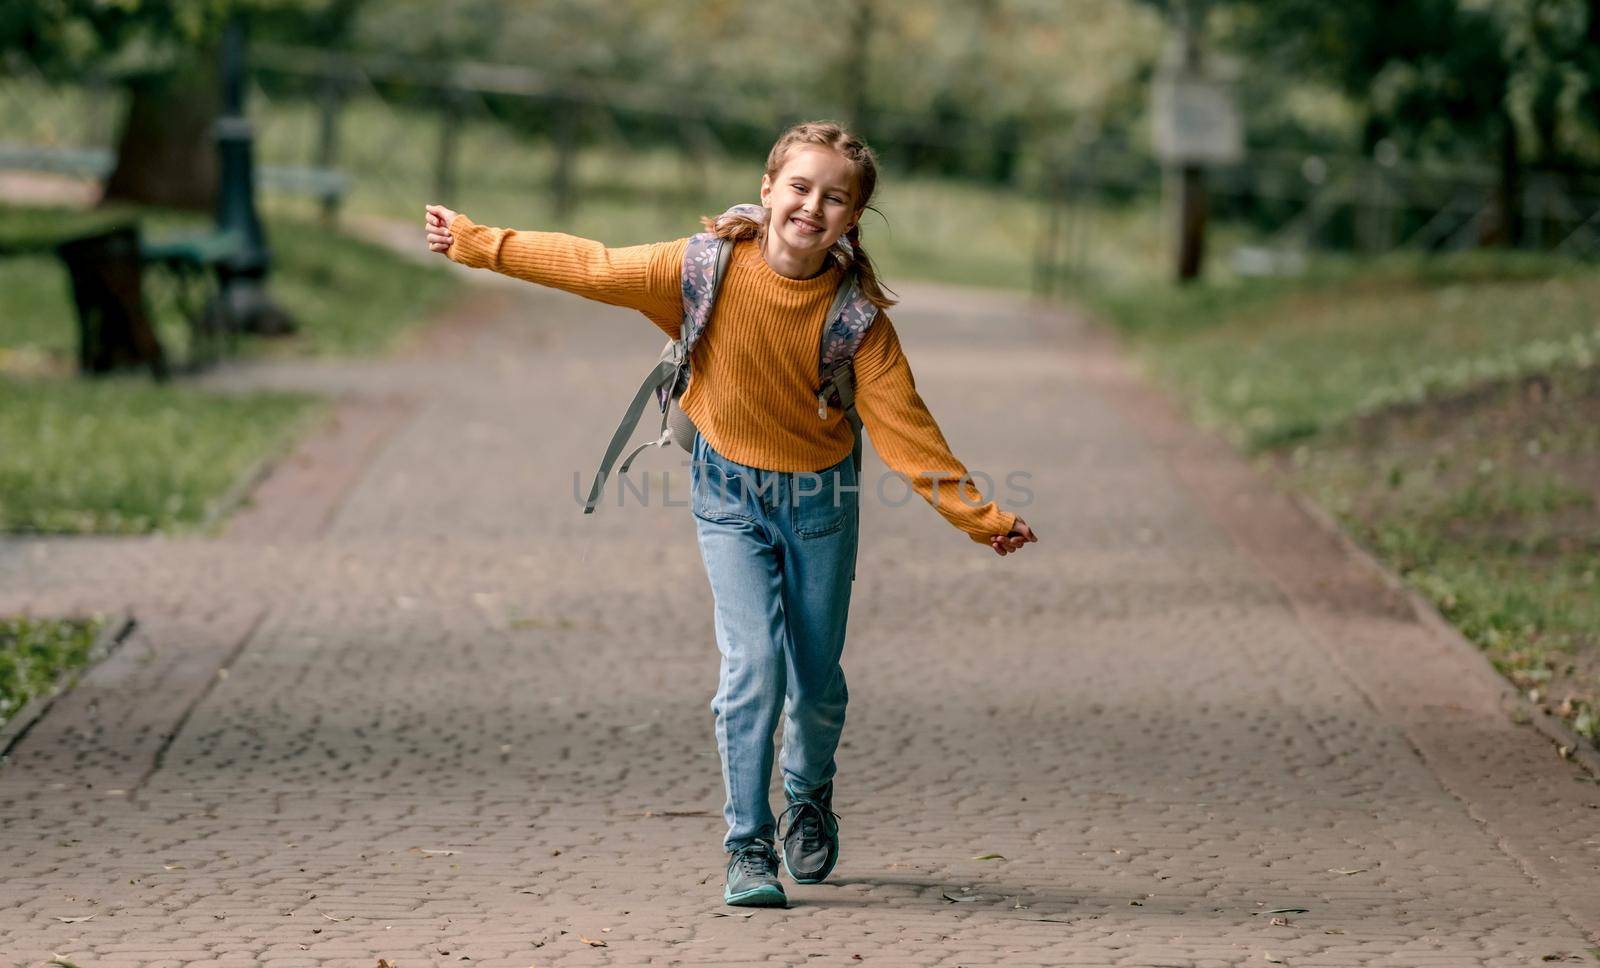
(1512, 82)
(1476, 118)
(165, 55)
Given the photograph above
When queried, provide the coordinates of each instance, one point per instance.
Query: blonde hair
(847, 252)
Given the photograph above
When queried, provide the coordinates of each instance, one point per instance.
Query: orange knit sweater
(753, 389)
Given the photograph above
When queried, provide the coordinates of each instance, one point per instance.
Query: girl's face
(813, 201)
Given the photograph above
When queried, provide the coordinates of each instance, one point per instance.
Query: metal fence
(378, 135)
(1289, 207)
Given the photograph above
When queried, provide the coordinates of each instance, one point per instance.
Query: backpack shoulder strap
(849, 318)
(705, 261)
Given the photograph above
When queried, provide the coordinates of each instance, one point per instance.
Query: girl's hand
(437, 224)
(1005, 544)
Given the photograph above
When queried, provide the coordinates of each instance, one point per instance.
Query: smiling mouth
(806, 226)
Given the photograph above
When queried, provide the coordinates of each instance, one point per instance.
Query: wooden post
(1191, 177)
(1082, 201)
(566, 144)
(1192, 212)
(330, 103)
(1046, 257)
(858, 60)
(444, 181)
(700, 151)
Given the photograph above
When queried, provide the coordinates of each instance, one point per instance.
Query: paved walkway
(412, 705)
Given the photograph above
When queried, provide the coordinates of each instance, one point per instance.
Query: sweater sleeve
(643, 277)
(905, 435)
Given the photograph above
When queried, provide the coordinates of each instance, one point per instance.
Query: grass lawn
(35, 654)
(1447, 411)
(126, 455)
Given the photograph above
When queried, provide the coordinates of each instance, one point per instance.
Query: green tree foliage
(1512, 81)
(947, 80)
(65, 37)
(165, 52)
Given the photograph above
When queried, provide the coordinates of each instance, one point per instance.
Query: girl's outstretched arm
(643, 277)
(908, 439)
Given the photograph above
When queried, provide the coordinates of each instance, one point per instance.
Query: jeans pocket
(822, 510)
(718, 492)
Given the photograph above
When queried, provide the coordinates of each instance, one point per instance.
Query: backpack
(705, 262)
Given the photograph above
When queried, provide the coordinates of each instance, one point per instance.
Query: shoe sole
(765, 896)
(819, 878)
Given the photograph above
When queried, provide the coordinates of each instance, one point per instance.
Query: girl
(780, 554)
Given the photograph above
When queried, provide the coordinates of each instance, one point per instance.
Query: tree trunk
(854, 69)
(167, 151)
(1507, 230)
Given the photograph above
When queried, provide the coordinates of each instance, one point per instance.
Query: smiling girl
(780, 557)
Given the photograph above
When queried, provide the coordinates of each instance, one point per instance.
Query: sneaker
(753, 877)
(811, 844)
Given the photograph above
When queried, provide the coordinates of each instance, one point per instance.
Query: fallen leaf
(64, 963)
(174, 867)
(730, 914)
(384, 964)
(1288, 911)
(1136, 903)
(958, 898)
(1268, 955)
(445, 853)
(988, 857)
(591, 942)
(63, 920)
(1347, 870)
(334, 919)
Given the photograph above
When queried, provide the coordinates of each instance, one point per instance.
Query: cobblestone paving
(413, 705)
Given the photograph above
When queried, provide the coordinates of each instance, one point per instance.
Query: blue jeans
(780, 552)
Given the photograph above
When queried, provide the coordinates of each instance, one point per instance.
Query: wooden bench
(107, 269)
